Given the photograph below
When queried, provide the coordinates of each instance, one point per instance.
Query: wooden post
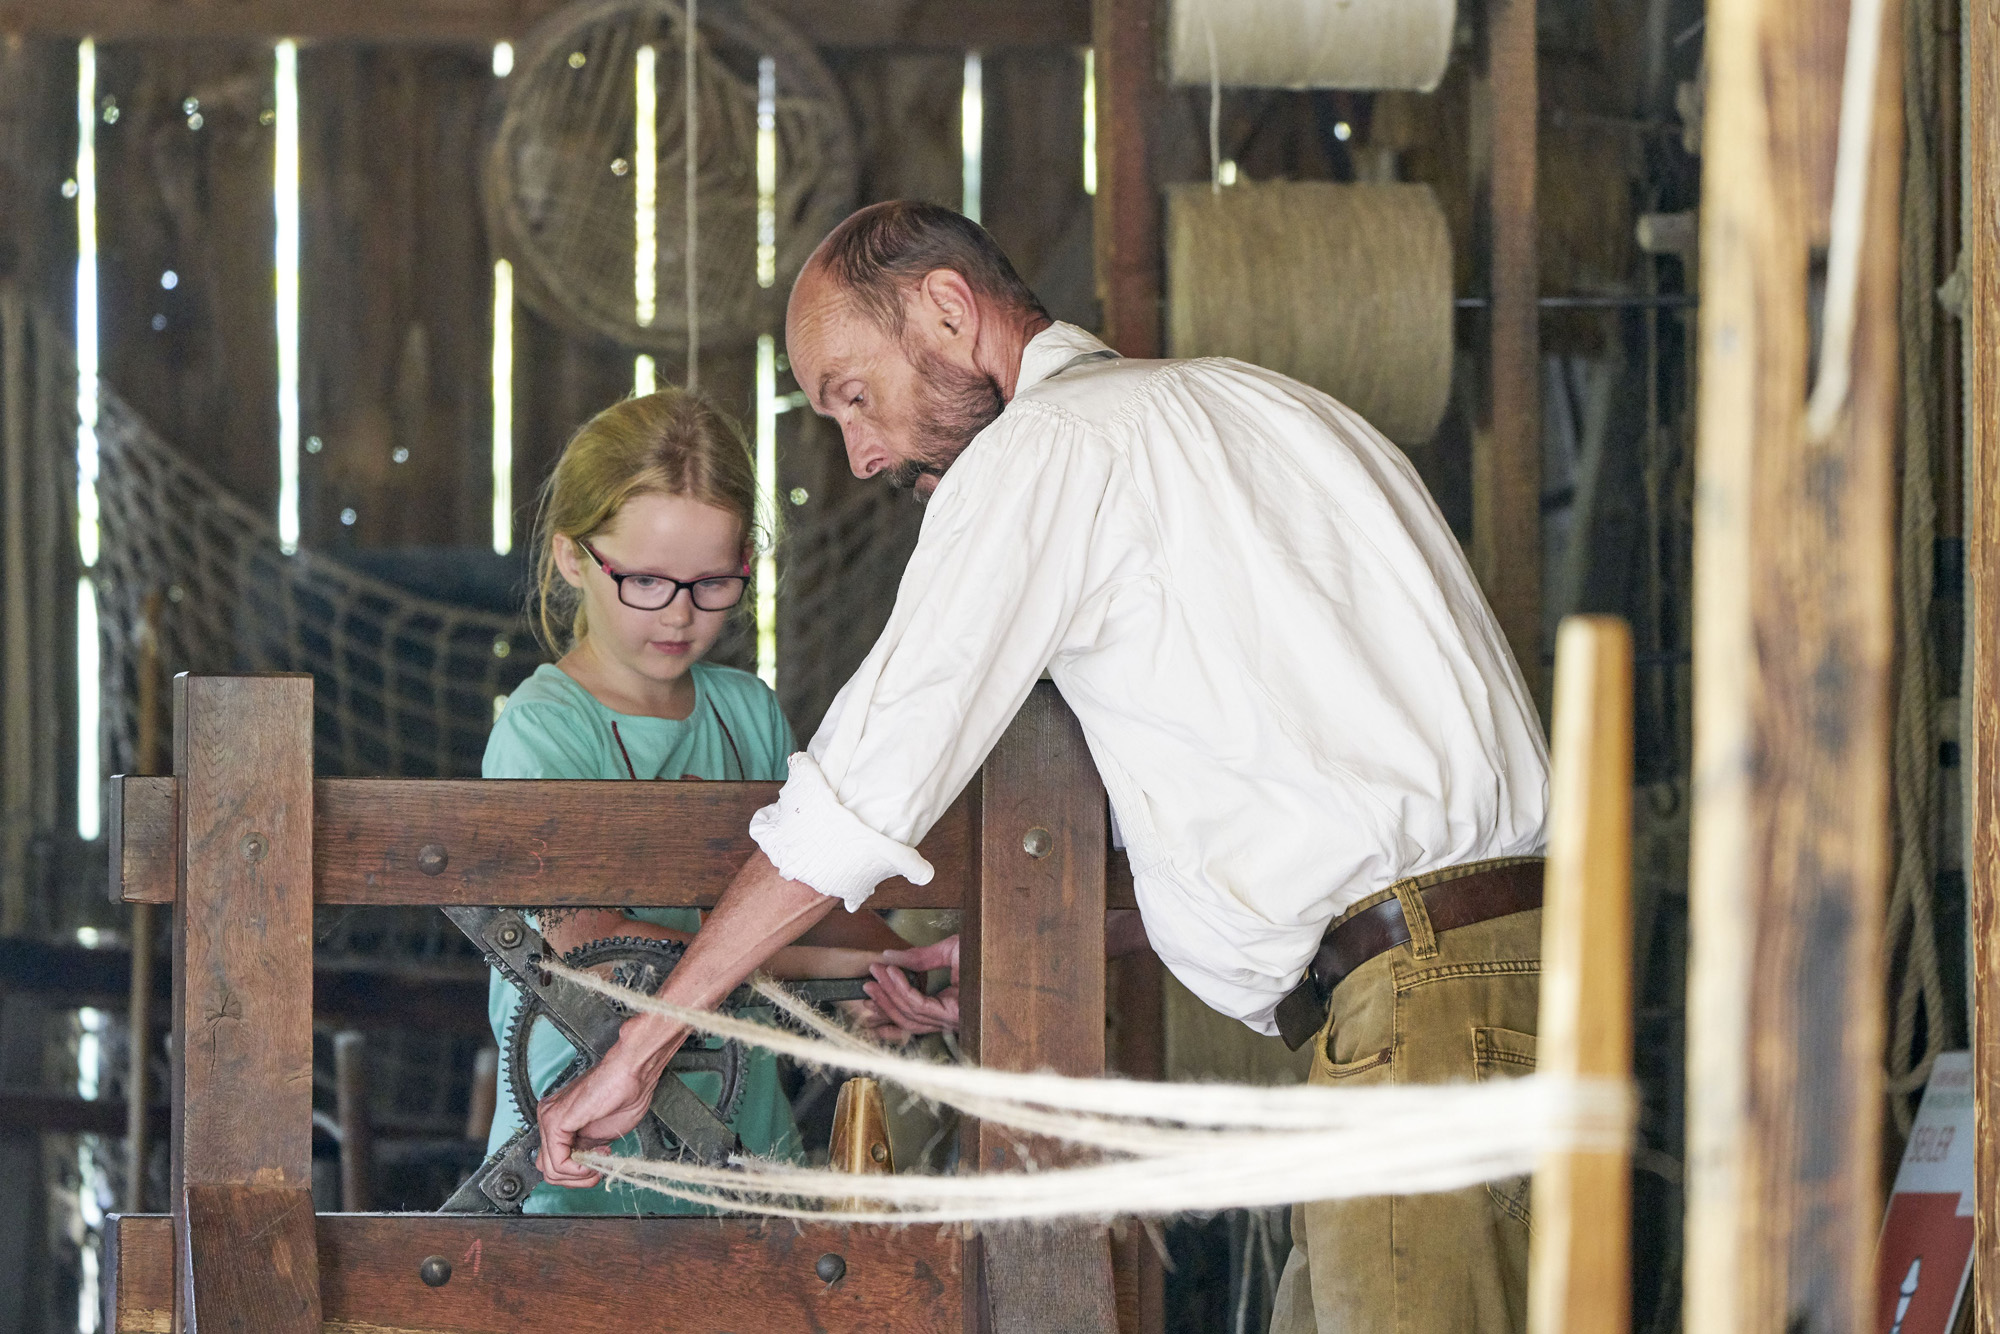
(1032, 996)
(1982, 552)
(242, 1083)
(139, 1005)
(1507, 467)
(1793, 635)
(357, 1133)
(1579, 1276)
(1126, 52)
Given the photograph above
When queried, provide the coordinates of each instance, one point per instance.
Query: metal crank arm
(587, 1020)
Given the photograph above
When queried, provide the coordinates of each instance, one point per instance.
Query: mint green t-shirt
(554, 728)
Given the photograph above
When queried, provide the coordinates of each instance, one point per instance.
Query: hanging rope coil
(1150, 1149)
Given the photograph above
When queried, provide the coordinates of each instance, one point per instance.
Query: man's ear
(569, 563)
(948, 304)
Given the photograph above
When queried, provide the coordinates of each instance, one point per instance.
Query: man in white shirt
(1302, 708)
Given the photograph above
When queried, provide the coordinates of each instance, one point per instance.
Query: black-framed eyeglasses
(651, 592)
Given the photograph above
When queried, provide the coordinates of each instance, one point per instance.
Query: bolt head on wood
(432, 859)
(831, 1268)
(435, 1271)
(255, 847)
(1038, 843)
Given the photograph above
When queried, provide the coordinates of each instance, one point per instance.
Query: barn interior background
(287, 348)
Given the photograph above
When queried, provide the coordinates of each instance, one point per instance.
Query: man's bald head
(880, 253)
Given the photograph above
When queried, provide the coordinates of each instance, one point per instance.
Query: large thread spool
(1344, 287)
(1312, 43)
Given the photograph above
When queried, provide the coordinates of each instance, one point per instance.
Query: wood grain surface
(633, 1275)
(1580, 1266)
(532, 843)
(1792, 640)
(253, 1260)
(1982, 551)
(1032, 996)
(838, 23)
(1507, 459)
(242, 1017)
(1127, 234)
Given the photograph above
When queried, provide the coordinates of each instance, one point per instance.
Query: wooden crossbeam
(954, 24)
(531, 844)
(661, 1275)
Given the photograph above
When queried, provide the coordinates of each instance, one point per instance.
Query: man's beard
(956, 405)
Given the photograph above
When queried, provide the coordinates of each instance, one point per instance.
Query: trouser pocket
(1504, 1053)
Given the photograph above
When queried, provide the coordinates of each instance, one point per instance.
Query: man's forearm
(760, 913)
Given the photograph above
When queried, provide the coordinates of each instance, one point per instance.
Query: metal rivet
(1038, 843)
(255, 847)
(432, 859)
(435, 1271)
(509, 935)
(830, 1268)
(506, 1186)
(879, 1151)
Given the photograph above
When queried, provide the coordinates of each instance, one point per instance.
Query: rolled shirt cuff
(813, 839)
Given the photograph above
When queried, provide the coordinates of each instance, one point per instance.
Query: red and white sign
(1925, 1255)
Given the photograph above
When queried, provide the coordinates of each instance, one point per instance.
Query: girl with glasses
(642, 554)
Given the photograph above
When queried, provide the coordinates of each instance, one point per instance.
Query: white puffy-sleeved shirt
(1292, 686)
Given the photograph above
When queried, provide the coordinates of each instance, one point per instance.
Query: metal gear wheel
(644, 964)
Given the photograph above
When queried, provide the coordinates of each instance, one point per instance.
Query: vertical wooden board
(1033, 995)
(560, 382)
(193, 197)
(1982, 461)
(1793, 633)
(37, 155)
(1123, 33)
(253, 1260)
(396, 305)
(1507, 460)
(1032, 165)
(1580, 1263)
(242, 1084)
(906, 115)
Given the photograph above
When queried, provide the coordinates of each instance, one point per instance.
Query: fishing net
(569, 191)
(405, 686)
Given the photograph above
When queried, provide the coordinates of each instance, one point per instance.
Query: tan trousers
(1441, 1009)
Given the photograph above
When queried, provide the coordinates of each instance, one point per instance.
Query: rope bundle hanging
(1312, 43)
(1157, 1148)
(1345, 287)
(566, 174)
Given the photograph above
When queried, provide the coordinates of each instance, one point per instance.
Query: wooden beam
(1982, 554)
(1128, 202)
(525, 843)
(686, 1275)
(1793, 637)
(242, 1055)
(953, 24)
(1033, 996)
(1580, 1267)
(1507, 466)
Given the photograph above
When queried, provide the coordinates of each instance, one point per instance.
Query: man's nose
(865, 454)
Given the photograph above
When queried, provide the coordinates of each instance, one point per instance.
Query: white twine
(1179, 1147)
(1848, 227)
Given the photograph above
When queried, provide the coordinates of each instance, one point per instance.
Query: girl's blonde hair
(672, 443)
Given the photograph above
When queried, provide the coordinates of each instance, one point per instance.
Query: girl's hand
(867, 1017)
(902, 1004)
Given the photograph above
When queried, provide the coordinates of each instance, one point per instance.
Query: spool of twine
(1344, 287)
(1312, 43)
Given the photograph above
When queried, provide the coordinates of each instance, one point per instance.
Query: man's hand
(608, 1101)
(902, 1004)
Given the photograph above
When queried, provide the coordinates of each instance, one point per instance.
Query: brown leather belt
(1479, 895)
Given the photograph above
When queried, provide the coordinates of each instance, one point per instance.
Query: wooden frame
(242, 841)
